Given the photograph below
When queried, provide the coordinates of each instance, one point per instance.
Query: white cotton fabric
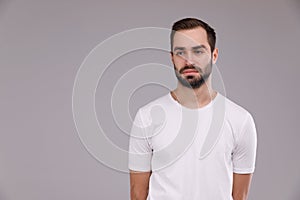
(178, 172)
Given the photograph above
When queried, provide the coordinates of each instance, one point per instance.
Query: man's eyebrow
(179, 48)
(200, 47)
(193, 48)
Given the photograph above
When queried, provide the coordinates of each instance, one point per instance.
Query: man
(178, 150)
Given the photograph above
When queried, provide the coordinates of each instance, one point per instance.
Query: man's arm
(243, 157)
(241, 185)
(139, 185)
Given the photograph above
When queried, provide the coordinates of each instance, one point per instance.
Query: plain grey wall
(43, 43)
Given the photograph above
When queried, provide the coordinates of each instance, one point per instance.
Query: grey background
(43, 43)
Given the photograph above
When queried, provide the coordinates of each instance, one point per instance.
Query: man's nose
(189, 59)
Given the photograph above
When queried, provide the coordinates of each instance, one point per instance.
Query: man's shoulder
(163, 101)
(234, 108)
(236, 115)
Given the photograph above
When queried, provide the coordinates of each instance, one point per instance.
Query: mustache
(190, 67)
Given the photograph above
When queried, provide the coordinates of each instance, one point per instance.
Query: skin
(191, 49)
(241, 186)
(139, 185)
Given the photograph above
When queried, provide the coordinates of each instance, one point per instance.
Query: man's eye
(179, 53)
(198, 52)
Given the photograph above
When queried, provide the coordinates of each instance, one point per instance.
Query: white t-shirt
(192, 153)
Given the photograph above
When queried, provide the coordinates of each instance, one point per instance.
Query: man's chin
(190, 76)
(192, 83)
(192, 79)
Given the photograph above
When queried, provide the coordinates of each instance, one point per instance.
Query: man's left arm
(241, 185)
(243, 158)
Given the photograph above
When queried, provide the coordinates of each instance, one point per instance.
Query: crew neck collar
(210, 104)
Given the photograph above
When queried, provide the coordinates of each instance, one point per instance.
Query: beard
(194, 81)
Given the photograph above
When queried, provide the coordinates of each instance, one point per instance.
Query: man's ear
(172, 56)
(215, 55)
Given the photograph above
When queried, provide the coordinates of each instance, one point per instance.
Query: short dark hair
(191, 23)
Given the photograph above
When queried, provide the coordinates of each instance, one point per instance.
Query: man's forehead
(191, 37)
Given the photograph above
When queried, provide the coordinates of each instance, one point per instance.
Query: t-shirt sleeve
(244, 153)
(140, 152)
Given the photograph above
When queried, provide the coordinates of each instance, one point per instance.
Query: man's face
(192, 57)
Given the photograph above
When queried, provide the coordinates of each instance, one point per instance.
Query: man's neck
(194, 98)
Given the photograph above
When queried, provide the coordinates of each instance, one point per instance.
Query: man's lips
(189, 71)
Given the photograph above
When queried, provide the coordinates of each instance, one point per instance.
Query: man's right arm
(139, 185)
